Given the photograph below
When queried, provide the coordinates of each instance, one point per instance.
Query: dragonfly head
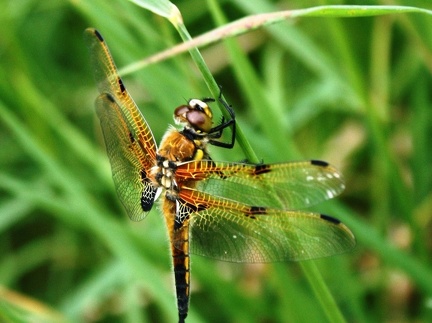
(196, 114)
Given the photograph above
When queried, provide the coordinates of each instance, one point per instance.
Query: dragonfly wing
(130, 143)
(286, 186)
(236, 232)
(126, 157)
(109, 81)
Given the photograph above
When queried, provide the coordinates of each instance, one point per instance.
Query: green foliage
(353, 91)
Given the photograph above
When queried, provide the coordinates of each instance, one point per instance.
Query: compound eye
(181, 112)
(199, 120)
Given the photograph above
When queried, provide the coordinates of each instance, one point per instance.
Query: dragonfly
(236, 212)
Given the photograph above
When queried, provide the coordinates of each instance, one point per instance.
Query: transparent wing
(129, 141)
(232, 231)
(109, 81)
(285, 186)
(126, 157)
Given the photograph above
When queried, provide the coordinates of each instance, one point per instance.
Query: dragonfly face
(229, 211)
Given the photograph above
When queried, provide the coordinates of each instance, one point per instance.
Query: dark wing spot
(120, 83)
(148, 194)
(261, 169)
(147, 200)
(143, 174)
(131, 137)
(319, 163)
(330, 219)
(110, 97)
(196, 207)
(186, 209)
(255, 210)
(258, 210)
(98, 35)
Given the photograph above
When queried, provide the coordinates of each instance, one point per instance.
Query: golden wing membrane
(129, 141)
(125, 154)
(285, 186)
(109, 81)
(232, 231)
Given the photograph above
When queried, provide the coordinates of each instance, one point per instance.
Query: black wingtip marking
(319, 163)
(330, 219)
(98, 35)
(261, 169)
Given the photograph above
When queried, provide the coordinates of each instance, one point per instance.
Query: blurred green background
(355, 92)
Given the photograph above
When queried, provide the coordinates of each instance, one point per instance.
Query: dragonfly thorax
(177, 147)
(163, 174)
